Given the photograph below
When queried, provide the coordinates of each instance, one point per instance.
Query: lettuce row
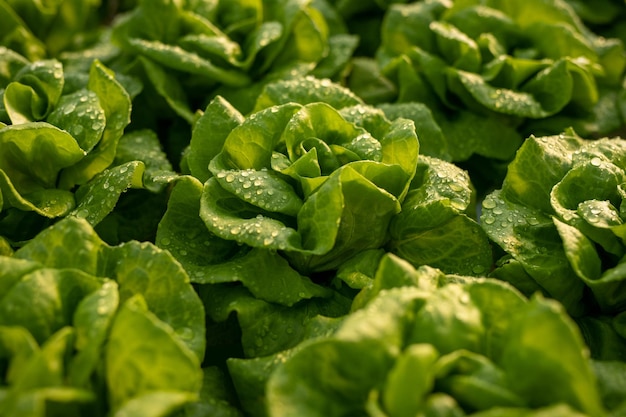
(527, 67)
(187, 51)
(289, 183)
(419, 342)
(92, 322)
(62, 147)
(294, 190)
(284, 211)
(560, 227)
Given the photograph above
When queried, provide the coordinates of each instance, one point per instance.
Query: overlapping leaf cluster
(287, 207)
(564, 220)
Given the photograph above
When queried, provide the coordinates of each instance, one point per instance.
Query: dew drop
(165, 241)
(489, 204)
(456, 187)
(82, 213)
(69, 108)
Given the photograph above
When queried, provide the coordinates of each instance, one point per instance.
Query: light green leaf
(532, 239)
(251, 144)
(432, 141)
(144, 145)
(98, 197)
(155, 404)
(45, 202)
(80, 114)
(34, 91)
(332, 367)
(17, 346)
(175, 57)
(458, 245)
(410, 380)
(144, 269)
(332, 217)
(580, 252)
(449, 321)
(92, 319)
(502, 100)
(143, 356)
(318, 125)
(342, 369)
(304, 91)
(38, 388)
(14, 31)
(268, 276)
(427, 230)
(115, 102)
(475, 381)
(342, 48)
(33, 154)
(208, 136)
(182, 232)
(566, 374)
(459, 50)
(46, 299)
(264, 189)
(56, 247)
(540, 163)
(230, 218)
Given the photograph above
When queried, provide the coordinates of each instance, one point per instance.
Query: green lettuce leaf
(436, 226)
(460, 344)
(558, 215)
(72, 351)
